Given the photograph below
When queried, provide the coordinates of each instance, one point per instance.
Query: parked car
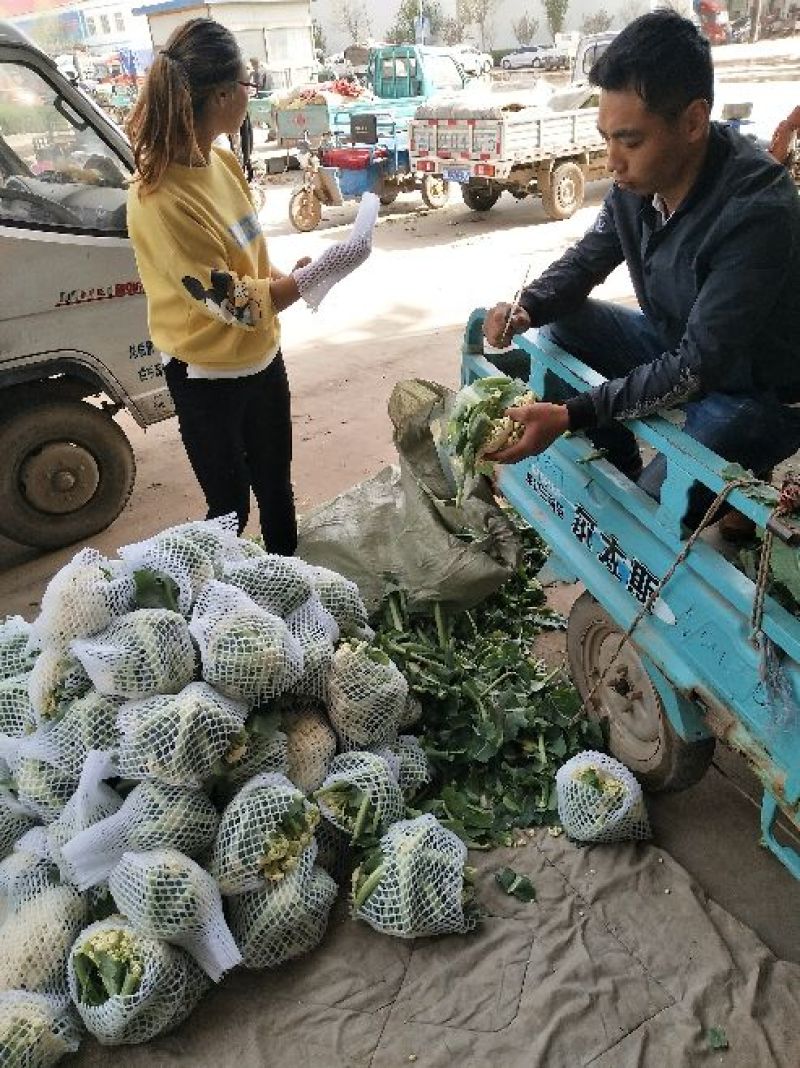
(472, 59)
(554, 59)
(527, 56)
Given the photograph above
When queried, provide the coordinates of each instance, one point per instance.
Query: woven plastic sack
(367, 695)
(56, 680)
(360, 795)
(18, 648)
(39, 786)
(87, 723)
(128, 987)
(413, 886)
(247, 653)
(341, 598)
(36, 1031)
(143, 653)
(180, 555)
(27, 870)
(93, 801)
(184, 738)
(166, 895)
(36, 937)
(16, 711)
(278, 923)
(15, 820)
(316, 631)
(599, 800)
(310, 748)
(263, 834)
(278, 584)
(154, 815)
(83, 597)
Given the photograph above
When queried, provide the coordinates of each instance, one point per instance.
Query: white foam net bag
(341, 598)
(263, 750)
(189, 555)
(88, 722)
(184, 738)
(413, 885)
(263, 834)
(316, 631)
(360, 795)
(83, 597)
(15, 820)
(36, 1031)
(18, 649)
(166, 895)
(25, 871)
(247, 653)
(56, 679)
(278, 923)
(367, 695)
(310, 748)
(36, 937)
(146, 652)
(129, 987)
(278, 584)
(16, 711)
(337, 261)
(154, 815)
(93, 800)
(39, 786)
(244, 549)
(600, 800)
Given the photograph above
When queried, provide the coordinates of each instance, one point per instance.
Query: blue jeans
(756, 432)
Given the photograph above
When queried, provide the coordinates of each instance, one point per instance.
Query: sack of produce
(600, 800)
(15, 819)
(310, 748)
(263, 834)
(18, 647)
(367, 695)
(87, 723)
(316, 631)
(39, 786)
(93, 801)
(27, 870)
(341, 598)
(360, 796)
(56, 680)
(247, 652)
(277, 584)
(83, 597)
(16, 711)
(184, 556)
(184, 738)
(36, 937)
(36, 1031)
(415, 884)
(154, 815)
(146, 652)
(166, 895)
(129, 987)
(281, 921)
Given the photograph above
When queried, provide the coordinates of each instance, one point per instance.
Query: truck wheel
(305, 211)
(505, 64)
(388, 195)
(640, 734)
(480, 197)
(435, 191)
(565, 194)
(66, 471)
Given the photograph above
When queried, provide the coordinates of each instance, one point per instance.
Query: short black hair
(664, 58)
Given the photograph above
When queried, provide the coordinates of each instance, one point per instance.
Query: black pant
(238, 435)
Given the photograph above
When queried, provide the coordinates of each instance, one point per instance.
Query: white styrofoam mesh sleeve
(184, 557)
(16, 711)
(338, 261)
(18, 647)
(94, 800)
(89, 722)
(341, 598)
(36, 1031)
(367, 695)
(39, 786)
(56, 680)
(310, 748)
(166, 895)
(600, 800)
(360, 795)
(277, 584)
(317, 631)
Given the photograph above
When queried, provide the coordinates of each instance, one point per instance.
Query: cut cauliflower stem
(109, 964)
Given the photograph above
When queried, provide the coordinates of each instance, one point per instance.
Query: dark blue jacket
(720, 282)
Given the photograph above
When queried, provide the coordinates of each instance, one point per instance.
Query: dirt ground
(400, 316)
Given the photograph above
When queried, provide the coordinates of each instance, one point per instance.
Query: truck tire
(505, 64)
(480, 197)
(388, 195)
(640, 734)
(435, 191)
(66, 472)
(565, 194)
(305, 211)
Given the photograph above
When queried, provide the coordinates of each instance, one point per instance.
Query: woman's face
(232, 102)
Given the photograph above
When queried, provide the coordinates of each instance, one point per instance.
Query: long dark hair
(199, 56)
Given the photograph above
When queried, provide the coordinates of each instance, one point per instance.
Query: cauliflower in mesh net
(15, 820)
(89, 722)
(18, 648)
(310, 747)
(16, 711)
(275, 583)
(341, 598)
(367, 694)
(360, 796)
(35, 1031)
(83, 597)
(56, 680)
(37, 936)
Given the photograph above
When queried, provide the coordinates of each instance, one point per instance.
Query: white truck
(74, 342)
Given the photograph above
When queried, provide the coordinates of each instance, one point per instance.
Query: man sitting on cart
(709, 227)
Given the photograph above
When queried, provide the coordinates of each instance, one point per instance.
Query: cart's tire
(305, 211)
(480, 197)
(504, 63)
(640, 734)
(435, 191)
(565, 195)
(388, 196)
(66, 471)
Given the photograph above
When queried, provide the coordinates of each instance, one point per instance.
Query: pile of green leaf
(495, 726)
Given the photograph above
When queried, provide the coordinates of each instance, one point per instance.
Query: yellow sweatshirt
(203, 263)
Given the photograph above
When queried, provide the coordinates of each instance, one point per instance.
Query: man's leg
(613, 340)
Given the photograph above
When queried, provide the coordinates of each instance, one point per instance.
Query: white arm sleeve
(336, 262)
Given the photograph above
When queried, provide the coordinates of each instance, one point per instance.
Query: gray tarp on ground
(604, 969)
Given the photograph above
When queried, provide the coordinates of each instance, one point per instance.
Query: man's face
(647, 154)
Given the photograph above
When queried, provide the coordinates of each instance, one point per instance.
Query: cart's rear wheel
(640, 734)
(480, 197)
(565, 195)
(305, 211)
(435, 191)
(388, 195)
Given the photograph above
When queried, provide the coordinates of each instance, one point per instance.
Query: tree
(480, 12)
(320, 44)
(556, 12)
(402, 29)
(352, 16)
(451, 32)
(631, 10)
(599, 22)
(525, 29)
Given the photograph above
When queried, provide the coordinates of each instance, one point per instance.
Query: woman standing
(213, 296)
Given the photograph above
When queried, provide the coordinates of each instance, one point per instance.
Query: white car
(472, 60)
(526, 56)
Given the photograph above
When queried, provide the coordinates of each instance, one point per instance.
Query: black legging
(237, 433)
